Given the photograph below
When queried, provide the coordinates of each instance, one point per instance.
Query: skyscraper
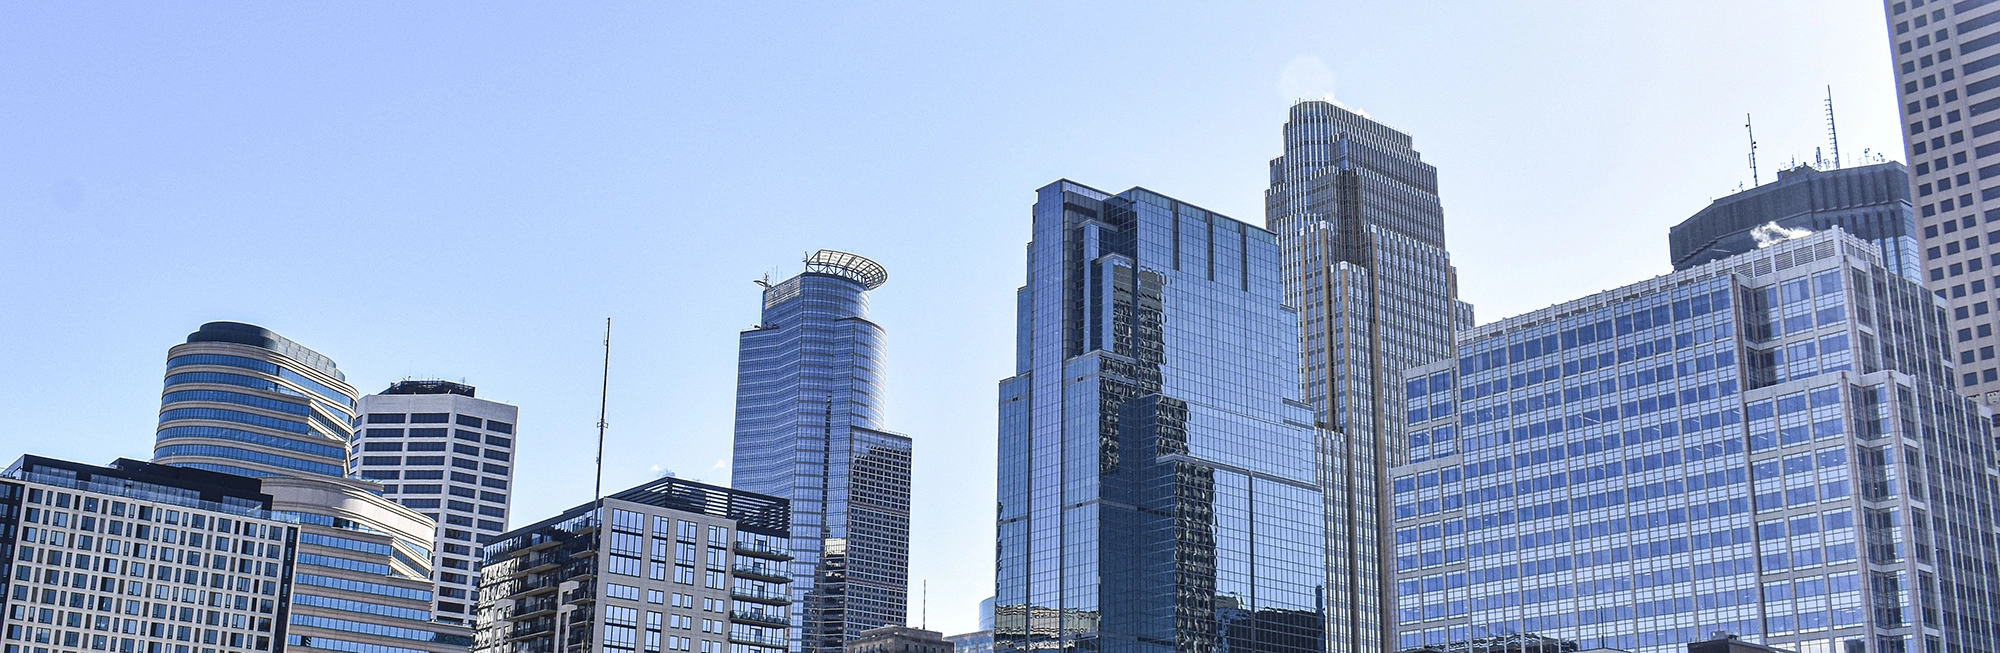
(1767, 445)
(809, 412)
(1159, 478)
(441, 450)
(1356, 214)
(243, 400)
(1945, 61)
(1871, 202)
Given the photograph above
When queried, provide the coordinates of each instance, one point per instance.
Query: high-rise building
(141, 558)
(1767, 445)
(1159, 478)
(1357, 217)
(809, 412)
(683, 566)
(240, 399)
(1871, 202)
(1944, 57)
(439, 449)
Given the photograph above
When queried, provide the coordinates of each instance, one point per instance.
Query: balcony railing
(762, 550)
(761, 618)
(747, 594)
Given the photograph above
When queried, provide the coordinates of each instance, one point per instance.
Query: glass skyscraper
(1768, 445)
(1159, 477)
(809, 411)
(1356, 214)
(1871, 201)
(243, 400)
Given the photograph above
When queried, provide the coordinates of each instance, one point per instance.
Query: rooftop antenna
(1753, 149)
(603, 398)
(1832, 135)
(924, 618)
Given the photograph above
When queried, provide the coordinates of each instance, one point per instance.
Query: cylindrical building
(242, 400)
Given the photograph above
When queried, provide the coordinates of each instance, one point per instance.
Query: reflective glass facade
(240, 399)
(1871, 201)
(1356, 213)
(809, 411)
(1159, 479)
(1768, 445)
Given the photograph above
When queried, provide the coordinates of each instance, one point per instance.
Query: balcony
(762, 551)
(530, 607)
(760, 619)
(758, 640)
(767, 573)
(756, 596)
(533, 628)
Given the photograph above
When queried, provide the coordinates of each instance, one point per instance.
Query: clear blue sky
(466, 190)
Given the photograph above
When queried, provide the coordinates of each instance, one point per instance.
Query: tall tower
(243, 400)
(1944, 54)
(1356, 214)
(1159, 479)
(809, 406)
(439, 449)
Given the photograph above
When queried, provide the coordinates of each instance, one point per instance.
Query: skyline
(672, 370)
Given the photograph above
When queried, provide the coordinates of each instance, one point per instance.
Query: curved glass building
(242, 400)
(809, 408)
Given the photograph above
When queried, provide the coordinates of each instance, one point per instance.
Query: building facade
(240, 399)
(1357, 217)
(1944, 58)
(683, 566)
(1768, 445)
(1159, 476)
(440, 450)
(140, 558)
(809, 414)
(1872, 202)
(900, 639)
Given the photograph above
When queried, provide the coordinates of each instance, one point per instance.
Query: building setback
(240, 399)
(438, 449)
(140, 558)
(1159, 477)
(684, 567)
(1944, 58)
(1767, 445)
(809, 412)
(1357, 217)
(1872, 202)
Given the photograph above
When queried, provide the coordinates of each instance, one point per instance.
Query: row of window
(440, 418)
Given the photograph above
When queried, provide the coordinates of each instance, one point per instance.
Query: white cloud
(1306, 78)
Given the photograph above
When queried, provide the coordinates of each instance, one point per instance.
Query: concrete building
(1356, 213)
(240, 399)
(682, 566)
(899, 639)
(141, 558)
(1154, 417)
(1872, 202)
(1944, 59)
(1768, 445)
(810, 401)
(440, 450)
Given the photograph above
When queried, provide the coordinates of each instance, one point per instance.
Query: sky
(466, 191)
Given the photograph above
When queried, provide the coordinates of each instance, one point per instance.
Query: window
(385, 418)
(468, 420)
(430, 418)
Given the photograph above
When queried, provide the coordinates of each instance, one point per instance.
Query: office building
(438, 449)
(140, 558)
(978, 641)
(1159, 476)
(899, 639)
(809, 415)
(1357, 217)
(240, 399)
(1944, 59)
(684, 567)
(1872, 202)
(1767, 445)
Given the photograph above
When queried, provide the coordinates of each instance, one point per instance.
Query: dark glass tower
(1356, 212)
(1871, 201)
(1159, 479)
(809, 404)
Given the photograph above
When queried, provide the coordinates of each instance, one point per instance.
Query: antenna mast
(924, 621)
(603, 398)
(1831, 133)
(1753, 150)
